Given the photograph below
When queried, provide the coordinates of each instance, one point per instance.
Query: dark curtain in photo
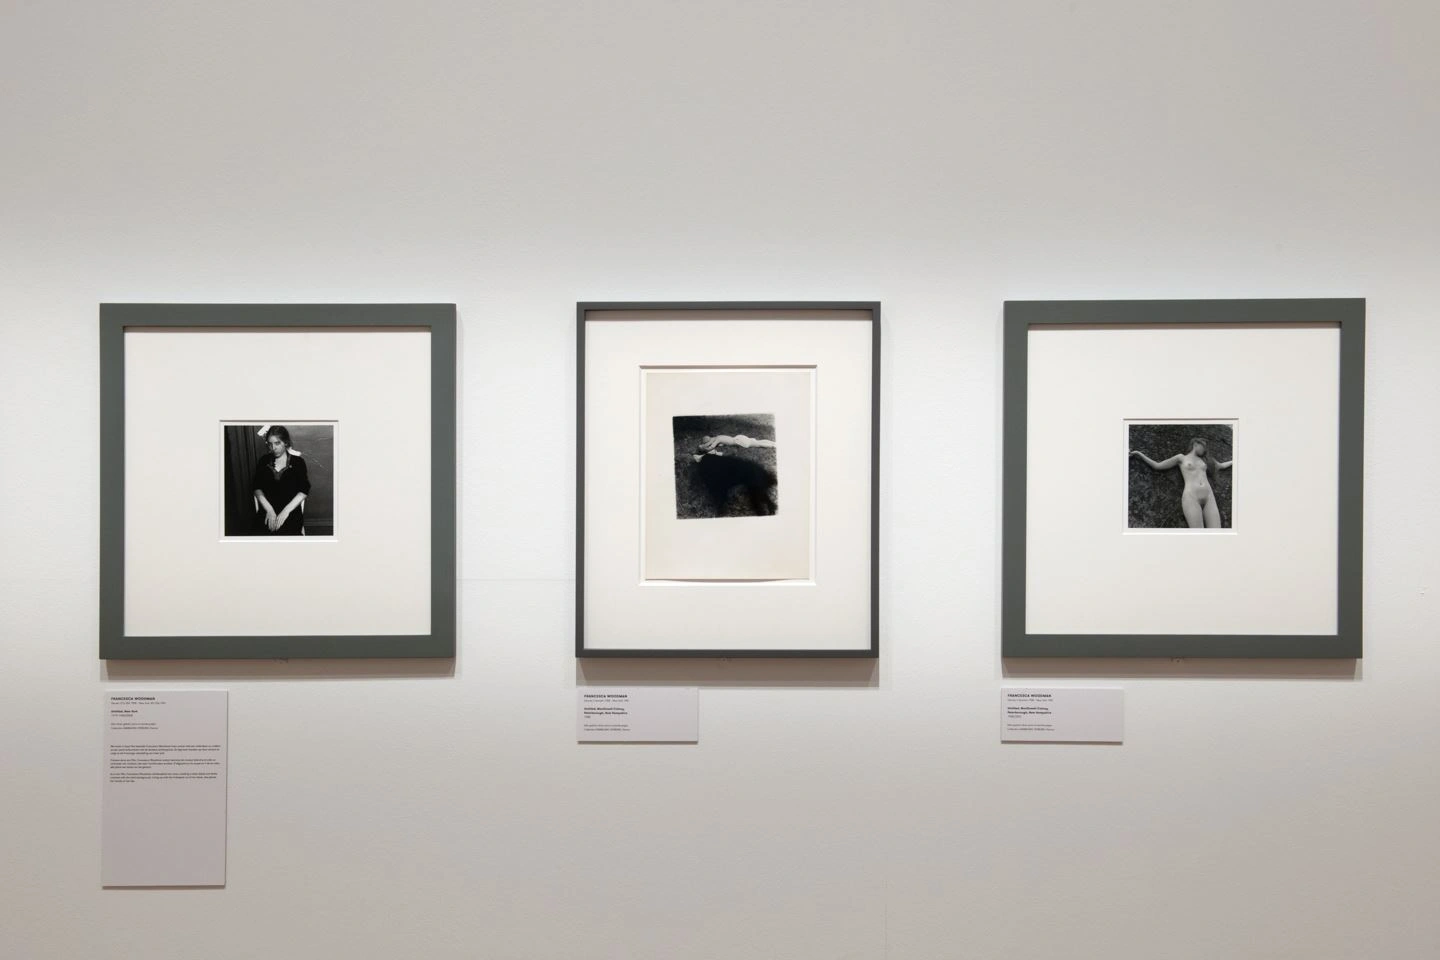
(243, 449)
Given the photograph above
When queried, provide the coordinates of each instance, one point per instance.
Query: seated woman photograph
(281, 485)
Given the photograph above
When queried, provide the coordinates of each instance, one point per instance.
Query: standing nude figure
(1198, 499)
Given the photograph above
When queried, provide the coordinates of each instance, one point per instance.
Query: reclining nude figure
(709, 444)
(1198, 499)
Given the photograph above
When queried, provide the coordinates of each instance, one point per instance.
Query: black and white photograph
(1181, 476)
(279, 479)
(711, 490)
(725, 466)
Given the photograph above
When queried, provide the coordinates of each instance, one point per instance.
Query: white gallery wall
(940, 157)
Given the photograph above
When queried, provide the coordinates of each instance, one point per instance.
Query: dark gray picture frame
(582, 311)
(437, 318)
(1348, 314)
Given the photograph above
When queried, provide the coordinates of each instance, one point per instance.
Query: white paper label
(1062, 714)
(163, 796)
(638, 714)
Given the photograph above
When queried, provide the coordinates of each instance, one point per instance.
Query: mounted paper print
(1183, 478)
(725, 498)
(277, 480)
(713, 519)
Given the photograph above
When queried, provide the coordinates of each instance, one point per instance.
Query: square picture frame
(712, 518)
(1287, 581)
(171, 376)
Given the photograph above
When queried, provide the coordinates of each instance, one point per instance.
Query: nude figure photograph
(1181, 475)
(727, 482)
(725, 466)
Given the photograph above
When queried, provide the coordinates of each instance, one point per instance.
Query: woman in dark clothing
(281, 485)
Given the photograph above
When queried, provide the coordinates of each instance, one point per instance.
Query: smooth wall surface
(517, 157)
